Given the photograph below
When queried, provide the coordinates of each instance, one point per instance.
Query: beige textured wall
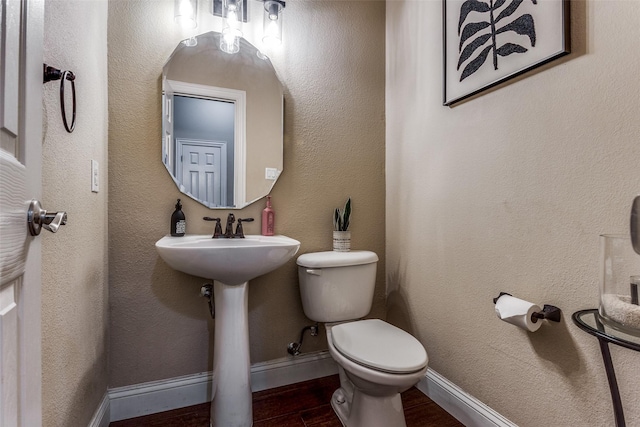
(74, 260)
(332, 67)
(509, 192)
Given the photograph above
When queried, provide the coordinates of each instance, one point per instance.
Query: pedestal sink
(231, 263)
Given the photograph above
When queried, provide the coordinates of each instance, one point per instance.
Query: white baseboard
(157, 396)
(464, 407)
(291, 370)
(101, 418)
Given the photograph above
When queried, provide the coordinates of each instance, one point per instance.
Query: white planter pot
(342, 241)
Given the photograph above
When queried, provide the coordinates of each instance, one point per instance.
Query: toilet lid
(379, 345)
(336, 259)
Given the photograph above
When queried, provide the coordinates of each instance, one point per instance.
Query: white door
(167, 128)
(20, 181)
(204, 170)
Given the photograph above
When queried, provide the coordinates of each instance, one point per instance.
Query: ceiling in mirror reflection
(222, 123)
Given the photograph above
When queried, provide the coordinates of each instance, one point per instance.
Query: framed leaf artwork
(487, 42)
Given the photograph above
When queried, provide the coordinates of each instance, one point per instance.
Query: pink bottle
(268, 219)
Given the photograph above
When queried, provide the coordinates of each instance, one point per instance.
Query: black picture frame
(515, 36)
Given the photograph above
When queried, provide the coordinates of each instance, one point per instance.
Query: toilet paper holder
(549, 312)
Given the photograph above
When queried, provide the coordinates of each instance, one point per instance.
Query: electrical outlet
(95, 177)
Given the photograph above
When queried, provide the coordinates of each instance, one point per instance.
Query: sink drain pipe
(294, 347)
(207, 291)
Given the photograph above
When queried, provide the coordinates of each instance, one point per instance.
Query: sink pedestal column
(231, 405)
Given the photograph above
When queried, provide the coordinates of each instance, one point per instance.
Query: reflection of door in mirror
(203, 130)
(202, 148)
(202, 170)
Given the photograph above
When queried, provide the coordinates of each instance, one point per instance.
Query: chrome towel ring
(49, 74)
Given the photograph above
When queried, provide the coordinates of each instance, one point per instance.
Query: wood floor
(304, 404)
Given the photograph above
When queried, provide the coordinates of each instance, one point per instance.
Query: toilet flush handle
(314, 272)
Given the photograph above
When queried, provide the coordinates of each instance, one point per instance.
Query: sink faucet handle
(218, 229)
(239, 230)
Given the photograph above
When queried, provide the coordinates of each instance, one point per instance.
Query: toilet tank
(337, 286)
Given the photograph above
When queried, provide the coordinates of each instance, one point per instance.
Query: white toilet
(376, 360)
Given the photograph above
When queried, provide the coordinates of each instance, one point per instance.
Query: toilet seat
(378, 345)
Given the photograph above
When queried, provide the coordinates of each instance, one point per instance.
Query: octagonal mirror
(222, 120)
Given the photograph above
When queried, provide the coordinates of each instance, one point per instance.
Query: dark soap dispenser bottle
(178, 221)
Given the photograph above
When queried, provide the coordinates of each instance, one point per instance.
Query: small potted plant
(341, 233)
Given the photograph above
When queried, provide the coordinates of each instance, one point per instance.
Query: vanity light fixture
(232, 13)
(186, 15)
(272, 29)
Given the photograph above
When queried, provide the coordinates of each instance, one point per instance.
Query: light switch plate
(95, 177)
(271, 173)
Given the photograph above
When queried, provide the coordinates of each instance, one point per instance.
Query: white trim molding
(102, 418)
(291, 370)
(465, 408)
(164, 395)
(157, 396)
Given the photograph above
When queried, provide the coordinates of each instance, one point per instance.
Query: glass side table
(591, 322)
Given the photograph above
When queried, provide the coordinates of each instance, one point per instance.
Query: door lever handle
(37, 218)
(53, 221)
